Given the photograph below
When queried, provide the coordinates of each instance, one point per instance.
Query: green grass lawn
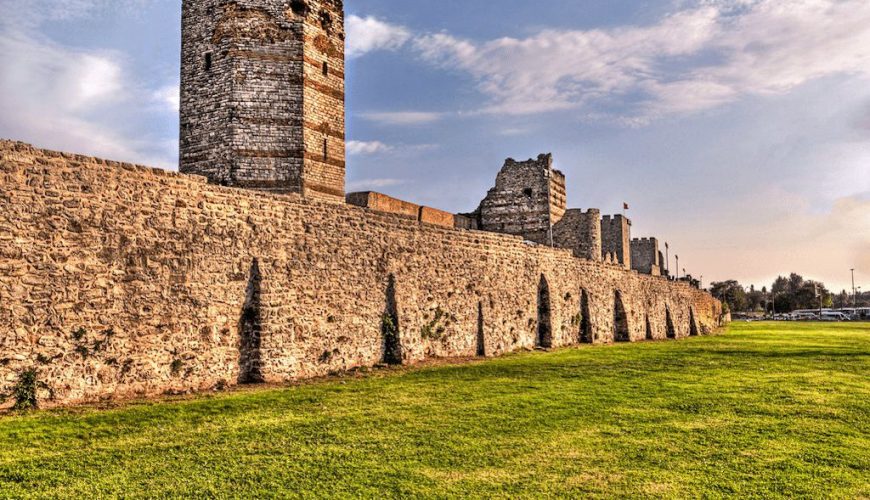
(766, 410)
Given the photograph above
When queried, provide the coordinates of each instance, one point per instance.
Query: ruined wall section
(645, 256)
(255, 113)
(527, 200)
(383, 203)
(616, 239)
(580, 232)
(120, 281)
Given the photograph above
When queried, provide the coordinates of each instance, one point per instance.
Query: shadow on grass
(801, 354)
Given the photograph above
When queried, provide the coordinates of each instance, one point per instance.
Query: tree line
(786, 294)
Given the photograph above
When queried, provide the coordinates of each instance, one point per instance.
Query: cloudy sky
(737, 130)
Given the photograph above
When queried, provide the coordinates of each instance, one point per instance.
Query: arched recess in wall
(649, 329)
(693, 325)
(545, 323)
(620, 319)
(390, 331)
(669, 324)
(585, 319)
(250, 330)
(481, 337)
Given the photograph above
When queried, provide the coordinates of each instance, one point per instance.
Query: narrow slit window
(325, 69)
(208, 61)
(325, 149)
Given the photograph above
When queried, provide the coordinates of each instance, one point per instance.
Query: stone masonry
(645, 256)
(262, 95)
(528, 200)
(383, 203)
(122, 281)
(616, 239)
(580, 232)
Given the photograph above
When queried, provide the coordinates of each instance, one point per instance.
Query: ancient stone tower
(616, 239)
(262, 95)
(645, 256)
(580, 232)
(528, 200)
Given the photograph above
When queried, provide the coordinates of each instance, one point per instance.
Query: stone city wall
(122, 281)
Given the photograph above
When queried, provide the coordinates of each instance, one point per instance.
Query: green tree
(732, 293)
(842, 300)
(755, 299)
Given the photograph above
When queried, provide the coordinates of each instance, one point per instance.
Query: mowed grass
(765, 410)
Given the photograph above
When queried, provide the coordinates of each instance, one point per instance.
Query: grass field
(766, 410)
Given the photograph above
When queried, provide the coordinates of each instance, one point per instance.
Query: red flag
(625, 206)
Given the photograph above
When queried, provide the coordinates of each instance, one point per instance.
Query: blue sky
(737, 130)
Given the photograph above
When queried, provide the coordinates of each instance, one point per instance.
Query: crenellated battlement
(645, 256)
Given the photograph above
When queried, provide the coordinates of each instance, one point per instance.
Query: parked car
(834, 316)
(805, 316)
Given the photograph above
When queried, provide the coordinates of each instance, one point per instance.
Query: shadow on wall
(250, 330)
(481, 338)
(693, 326)
(585, 319)
(620, 319)
(649, 330)
(669, 324)
(390, 326)
(545, 325)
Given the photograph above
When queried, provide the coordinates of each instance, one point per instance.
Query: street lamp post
(668, 259)
(678, 266)
(854, 292)
(819, 295)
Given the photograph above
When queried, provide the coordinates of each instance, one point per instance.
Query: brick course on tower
(262, 95)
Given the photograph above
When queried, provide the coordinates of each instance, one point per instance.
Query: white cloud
(73, 99)
(368, 34)
(169, 97)
(378, 148)
(360, 148)
(713, 52)
(39, 74)
(403, 117)
(26, 14)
